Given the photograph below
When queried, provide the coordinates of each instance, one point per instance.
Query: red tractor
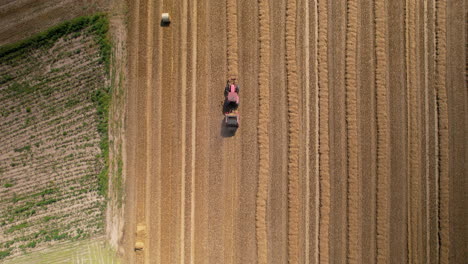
(231, 103)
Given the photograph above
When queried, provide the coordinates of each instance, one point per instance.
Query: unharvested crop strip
(354, 191)
(324, 148)
(294, 203)
(383, 157)
(414, 135)
(442, 128)
(262, 131)
(232, 72)
(232, 47)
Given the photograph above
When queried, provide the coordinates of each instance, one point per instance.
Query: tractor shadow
(164, 23)
(227, 132)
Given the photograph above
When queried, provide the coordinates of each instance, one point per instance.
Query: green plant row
(102, 99)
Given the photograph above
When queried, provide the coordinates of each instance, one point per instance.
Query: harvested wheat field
(352, 141)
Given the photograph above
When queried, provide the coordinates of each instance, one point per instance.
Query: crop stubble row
(294, 202)
(263, 134)
(353, 193)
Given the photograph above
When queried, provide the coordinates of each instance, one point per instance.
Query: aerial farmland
(347, 136)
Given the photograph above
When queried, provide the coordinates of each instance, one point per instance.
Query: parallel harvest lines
(442, 128)
(354, 188)
(415, 235)
(262, 132)
(383, 131)
(324, 148)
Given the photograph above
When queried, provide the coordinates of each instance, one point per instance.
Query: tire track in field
(316, 138)
(324, 141)
(415, 233)
(427, 162)
(442, 129)
(130, 223)
(183, 130)
(294, 202)
(155, 200)
(262, 131)
(354, 189)
(383, 157)
(149, 116)
(306, 43)
(141, 130)
(193, 63)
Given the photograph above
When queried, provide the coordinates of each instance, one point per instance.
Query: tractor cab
(231, 92)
